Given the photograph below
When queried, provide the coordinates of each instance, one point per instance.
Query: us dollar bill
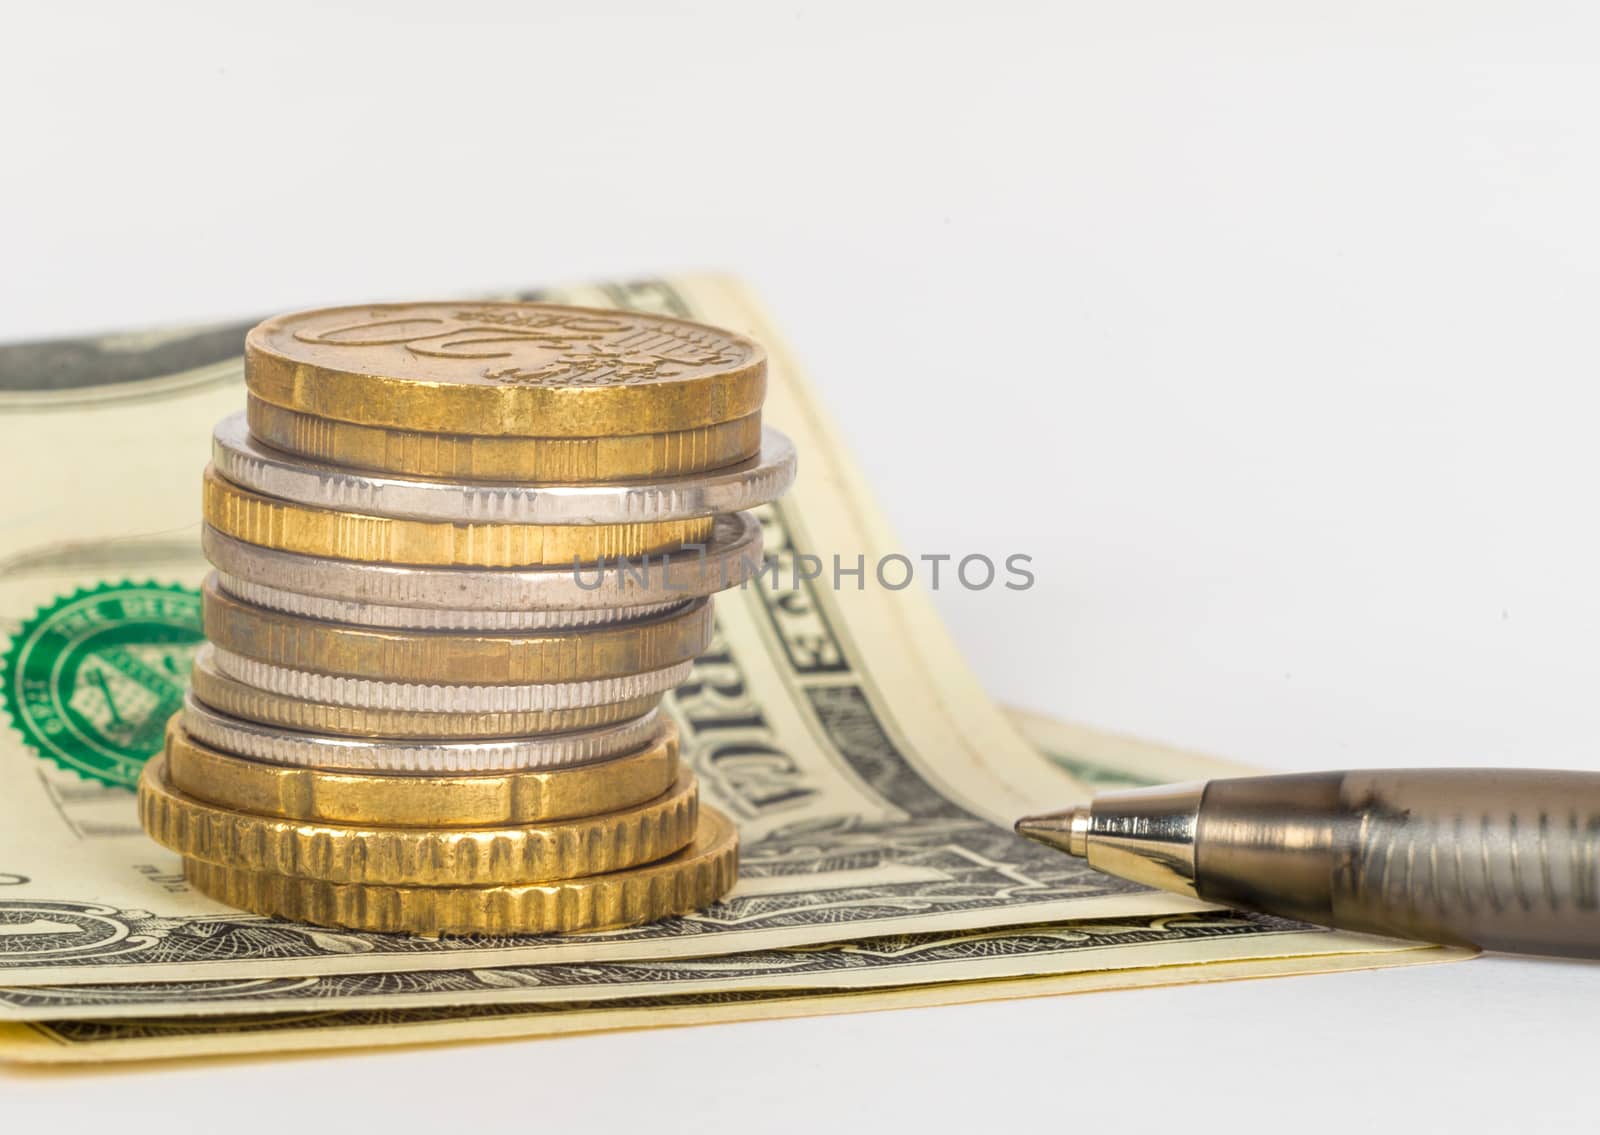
(894, 961)
(138, 1020)
(313, 1027)
(872, 780)
(1051, 949)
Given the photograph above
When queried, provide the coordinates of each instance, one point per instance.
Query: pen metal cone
(1066, 831)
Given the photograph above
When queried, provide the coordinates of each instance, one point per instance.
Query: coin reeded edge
(731, 554)
(275, 745)
(688, 881)
(240, 458)
(369, 693)
(464, 620)
(434, 857)
(287, 526)
(240, 699)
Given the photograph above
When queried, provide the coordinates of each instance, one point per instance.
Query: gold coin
(239, 699)
(409, 800)
(505, 369)
(690, 880)
(270, 522)
(499, 658)
(549, 460)
(456, 857)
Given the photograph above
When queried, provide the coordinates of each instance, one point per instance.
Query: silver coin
(733, 488)
(312, 750)
(730, 557)
(429, 618)
(301, 715)
(370, 693)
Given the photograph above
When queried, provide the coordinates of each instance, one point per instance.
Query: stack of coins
(461, 552)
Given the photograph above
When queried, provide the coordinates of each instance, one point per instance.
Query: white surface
(1268, 330)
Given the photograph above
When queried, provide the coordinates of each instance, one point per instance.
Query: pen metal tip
(1066, 831)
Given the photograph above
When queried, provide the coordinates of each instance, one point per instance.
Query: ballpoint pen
(1503, 859)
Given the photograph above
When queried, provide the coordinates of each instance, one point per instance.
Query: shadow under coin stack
(462, 551)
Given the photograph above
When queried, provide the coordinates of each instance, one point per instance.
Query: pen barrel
(1500, 859)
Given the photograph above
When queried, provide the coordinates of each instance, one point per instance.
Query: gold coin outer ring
(461, 457)
(515, 658)
(435, 404)
(434, 857)
(242, 700)
(241, 460)
(730, 557)
(431, 757)
(688, 881)
(399, 799)
(273, 523)
(438, 697)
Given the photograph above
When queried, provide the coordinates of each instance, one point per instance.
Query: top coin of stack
(461, 552)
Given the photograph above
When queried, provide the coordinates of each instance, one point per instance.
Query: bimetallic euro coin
(291, 527)
(430, 618)
(476, 657)
(690, 880)
(243, 461)
(730, 557)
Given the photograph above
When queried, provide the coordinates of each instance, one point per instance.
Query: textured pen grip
(1502, 859)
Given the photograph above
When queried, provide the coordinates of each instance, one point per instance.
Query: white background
(1269, 330)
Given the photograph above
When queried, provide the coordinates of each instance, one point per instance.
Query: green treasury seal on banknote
(90, 680)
